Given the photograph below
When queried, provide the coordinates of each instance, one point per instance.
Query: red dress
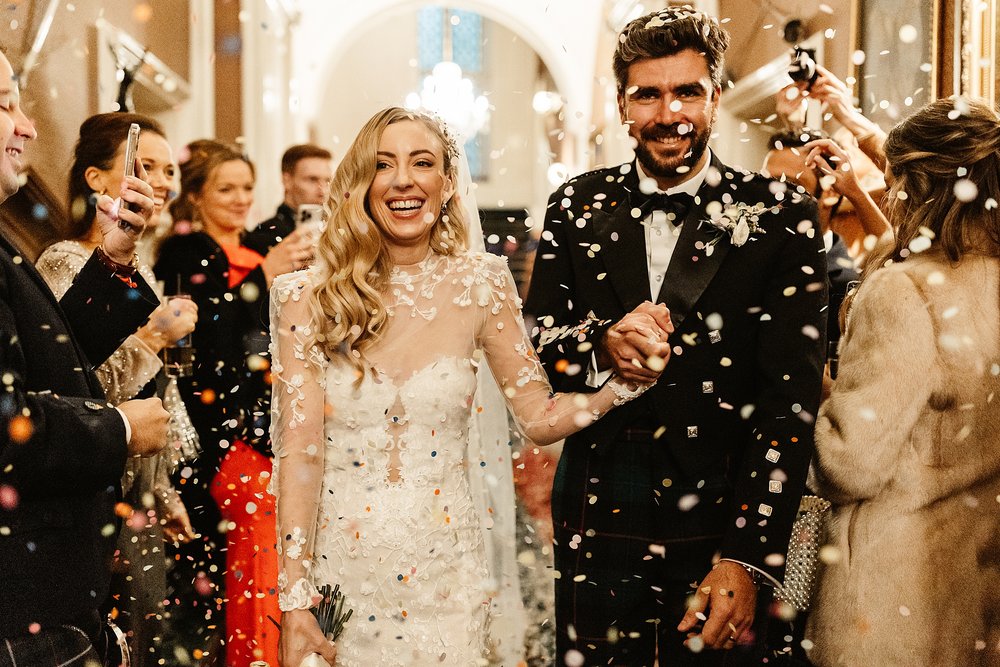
(240, 489)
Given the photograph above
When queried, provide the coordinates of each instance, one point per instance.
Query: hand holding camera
(834, 166)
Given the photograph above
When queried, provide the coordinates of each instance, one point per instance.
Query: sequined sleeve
(544, 417)
(297, 434)
(133, 364)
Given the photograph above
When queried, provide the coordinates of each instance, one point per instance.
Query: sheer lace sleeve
(133, 364)
(297, 434)
(543, 417)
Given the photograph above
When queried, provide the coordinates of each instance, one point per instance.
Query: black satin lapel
(691, 269)
(623, 251)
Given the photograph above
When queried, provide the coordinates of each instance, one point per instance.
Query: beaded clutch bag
(802, 562)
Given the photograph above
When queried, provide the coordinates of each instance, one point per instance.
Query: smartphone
(131, 148)
(309, 214)
(311, 219)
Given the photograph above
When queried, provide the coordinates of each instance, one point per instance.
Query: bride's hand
(300, 636)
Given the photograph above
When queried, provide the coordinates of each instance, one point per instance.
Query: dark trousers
(633, 538)
(648, 635)
(59, 646)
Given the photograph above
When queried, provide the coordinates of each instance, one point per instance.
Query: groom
(672, 515)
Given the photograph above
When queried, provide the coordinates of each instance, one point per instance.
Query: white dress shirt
(661, 239)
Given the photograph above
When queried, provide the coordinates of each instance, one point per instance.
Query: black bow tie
(677, 203)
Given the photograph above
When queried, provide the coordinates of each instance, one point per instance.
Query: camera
(803, 68)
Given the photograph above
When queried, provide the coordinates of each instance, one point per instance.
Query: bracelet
(756, 578)
(121, 270)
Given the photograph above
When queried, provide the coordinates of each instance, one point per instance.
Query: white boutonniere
(738, 220)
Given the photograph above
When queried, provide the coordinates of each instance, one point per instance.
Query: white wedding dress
(372, 471)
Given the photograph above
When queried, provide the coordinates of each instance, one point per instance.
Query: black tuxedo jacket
(743, 383)
(270, 232)
(62, 448)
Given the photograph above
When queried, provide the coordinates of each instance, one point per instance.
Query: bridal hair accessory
(451, 141)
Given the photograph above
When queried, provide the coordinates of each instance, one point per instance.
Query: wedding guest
(699, 480)
(62, 447)
(828, 177)
(227, 396)
(838, 102)
(907, 442)
(305, 176)
(156, 508)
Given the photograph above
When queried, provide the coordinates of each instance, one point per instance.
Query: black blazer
(745, 374)
(62, 448)
(270, 232)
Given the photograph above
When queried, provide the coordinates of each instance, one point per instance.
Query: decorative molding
(753, 95)
(117, 50)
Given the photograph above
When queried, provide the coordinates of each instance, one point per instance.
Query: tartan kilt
(626, 519)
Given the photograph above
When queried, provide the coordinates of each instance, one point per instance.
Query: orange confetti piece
(20, 429)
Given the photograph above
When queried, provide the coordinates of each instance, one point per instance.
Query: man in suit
(691, 489)
(62, 448)
(306, 174)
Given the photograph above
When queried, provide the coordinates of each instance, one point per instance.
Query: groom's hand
(729, 598)
(636, 347)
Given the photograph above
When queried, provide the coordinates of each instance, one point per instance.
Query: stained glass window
(466, 52)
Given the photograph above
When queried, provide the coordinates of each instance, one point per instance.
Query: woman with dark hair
(907, 443)
(227, 395)
(156, 509)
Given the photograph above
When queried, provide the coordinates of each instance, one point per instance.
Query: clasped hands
(636, 347)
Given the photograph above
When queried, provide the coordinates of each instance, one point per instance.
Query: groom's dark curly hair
(667, 32)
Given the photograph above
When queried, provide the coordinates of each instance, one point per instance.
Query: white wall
(359, 85)
(268, 125)
(563, 33)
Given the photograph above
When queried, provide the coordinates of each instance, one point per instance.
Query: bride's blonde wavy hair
(927, 153)
(347, 306)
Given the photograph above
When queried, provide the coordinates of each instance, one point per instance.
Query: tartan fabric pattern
(736, 400)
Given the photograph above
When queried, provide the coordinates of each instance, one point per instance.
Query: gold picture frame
(901, 42)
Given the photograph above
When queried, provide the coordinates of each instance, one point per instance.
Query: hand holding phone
(131, 149)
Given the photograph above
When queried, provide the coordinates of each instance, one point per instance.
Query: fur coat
(908, 450)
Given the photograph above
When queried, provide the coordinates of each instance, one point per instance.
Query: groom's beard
(666, 167)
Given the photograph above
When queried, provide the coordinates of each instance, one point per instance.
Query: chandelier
(450, 95)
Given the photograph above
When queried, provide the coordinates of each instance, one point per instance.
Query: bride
(376, 351)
